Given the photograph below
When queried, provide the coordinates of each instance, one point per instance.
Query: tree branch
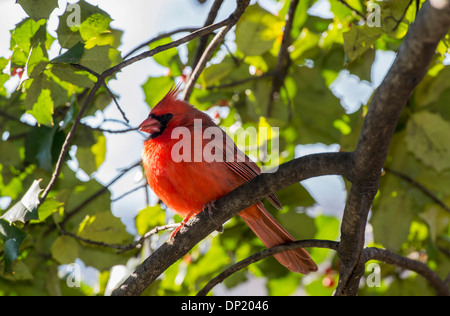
(200, 32)
(161, 36)
(231, 20)
(203, 41)
(242, 5)
(264, 254)
(67, 142)
(201, 225)
(419, 186)
(408, 69)
(441, 287)
(361, 15)
(283, 57)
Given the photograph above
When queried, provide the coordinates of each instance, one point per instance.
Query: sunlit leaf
(257, 30)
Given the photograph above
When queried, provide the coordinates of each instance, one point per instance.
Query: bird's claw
(210, 206)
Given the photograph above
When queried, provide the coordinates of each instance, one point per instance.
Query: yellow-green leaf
(257, 30)
(43, 109)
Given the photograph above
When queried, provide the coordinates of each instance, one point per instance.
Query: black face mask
(164, 120)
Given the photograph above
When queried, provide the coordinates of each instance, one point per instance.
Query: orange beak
(150, 125)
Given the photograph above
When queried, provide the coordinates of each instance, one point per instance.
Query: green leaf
(42, 146)
(21, 41)
(36, 61)
(12, 238)
(65, 249)
(362, 66)
(49, 207)
(43, 108)
(156, 88)
(304, 45)
(283, 286)
(427, 138)
(168, 58)
(431, 90)
(72, 56)
(109, 37)
(257, 30)
(104, 227)
(103, 258)
(69, 34)
(69, 74)
(395, 207)
(301, 226)
(94, 25)
(316, 108)
(38, 9)
(98, 58)
(92, 156)
(149, 218)
(26, 208)
(216, 72)
(359, 39)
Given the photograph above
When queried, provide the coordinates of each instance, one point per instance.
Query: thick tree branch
(408, 69)
(201, 225)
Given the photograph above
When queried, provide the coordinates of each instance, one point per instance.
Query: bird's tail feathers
(272, 234)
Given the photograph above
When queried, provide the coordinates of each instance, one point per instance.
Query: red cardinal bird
(187, 185)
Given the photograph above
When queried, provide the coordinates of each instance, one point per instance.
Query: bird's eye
(165, 118)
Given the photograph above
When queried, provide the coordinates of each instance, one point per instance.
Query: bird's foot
(185, 220)
(211, 206)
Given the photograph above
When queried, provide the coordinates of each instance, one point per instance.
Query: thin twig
(264, 254)
(161, 48)
(361, 15)
(67, 142)
(147, 235)
(283, 59)
(189, 87)
(115, 101)
(441, 286)
(419, 186)
(202, 62)
(129, 192)
(241, 81)
(203, 41)
(399, 21)
(121, 248)
(159, 37)
(104, 130)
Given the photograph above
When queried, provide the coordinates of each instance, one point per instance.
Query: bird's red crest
(171, 103)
